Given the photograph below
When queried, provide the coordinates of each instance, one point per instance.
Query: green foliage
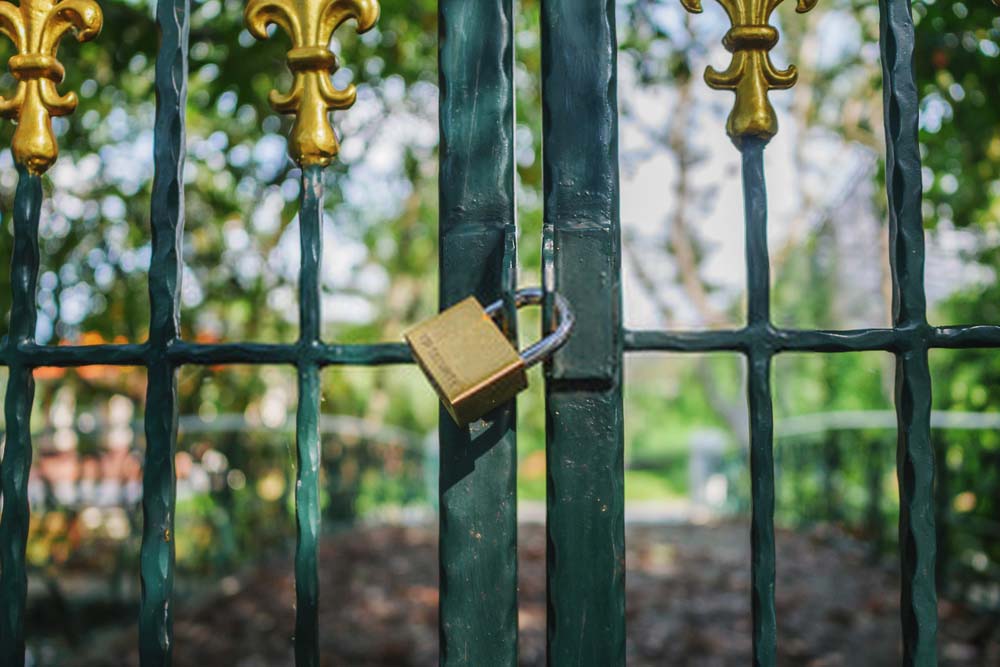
(958, 66)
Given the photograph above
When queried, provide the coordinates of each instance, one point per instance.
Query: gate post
(581, 255)
(478, 512)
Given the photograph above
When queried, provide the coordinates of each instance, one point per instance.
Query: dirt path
(687, 605)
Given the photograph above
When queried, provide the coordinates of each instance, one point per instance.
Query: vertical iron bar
(307, 442)
(167, 227)
(762, 564)
(762, 568)
(582, 261)
(478, 512)
(915, 456)
(917, 540)
(16, 464)
(755, 213)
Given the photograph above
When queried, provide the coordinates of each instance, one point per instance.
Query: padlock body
(470, 363)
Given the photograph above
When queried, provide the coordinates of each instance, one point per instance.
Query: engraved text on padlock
(471, 364)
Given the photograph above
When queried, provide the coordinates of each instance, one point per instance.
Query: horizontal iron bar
(78, 355)
(376, 354)
(969, 336)
(184, 352)
(379, 354)
(796, 340)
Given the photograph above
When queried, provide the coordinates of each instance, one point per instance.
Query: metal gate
(581, 260)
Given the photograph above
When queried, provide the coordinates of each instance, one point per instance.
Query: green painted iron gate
(581, 258)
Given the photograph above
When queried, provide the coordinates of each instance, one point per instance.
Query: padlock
(471, 364)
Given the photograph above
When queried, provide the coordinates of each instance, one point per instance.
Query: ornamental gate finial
(311, 24)
(751, 74)
(35, 27)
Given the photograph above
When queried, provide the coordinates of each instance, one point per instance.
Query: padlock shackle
(533, 296)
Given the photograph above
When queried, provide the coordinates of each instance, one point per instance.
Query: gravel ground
(687, 605)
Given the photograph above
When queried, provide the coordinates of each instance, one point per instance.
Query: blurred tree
(241, 247)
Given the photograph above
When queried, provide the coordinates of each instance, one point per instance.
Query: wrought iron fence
(581, 260)
(837, 469)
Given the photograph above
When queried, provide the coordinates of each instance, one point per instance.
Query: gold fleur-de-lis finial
(35, 27)
(311, 24)
(751, 74)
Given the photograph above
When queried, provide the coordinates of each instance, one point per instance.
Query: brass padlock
(469, 361)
